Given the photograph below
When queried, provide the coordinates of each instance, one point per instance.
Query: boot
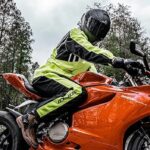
(26, 124)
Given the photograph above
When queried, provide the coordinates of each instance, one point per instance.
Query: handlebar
(145, 60)
(138, 71)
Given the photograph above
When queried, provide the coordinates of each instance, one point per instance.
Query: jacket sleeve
(78, 44)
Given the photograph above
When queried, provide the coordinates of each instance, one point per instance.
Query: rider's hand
(132, 67)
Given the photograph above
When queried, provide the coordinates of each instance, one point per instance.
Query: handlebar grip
(147, 73)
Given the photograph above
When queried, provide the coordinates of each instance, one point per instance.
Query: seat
(31, 89)
(28, 86)
(20, 83)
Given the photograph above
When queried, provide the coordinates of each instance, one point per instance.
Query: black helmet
(95, 23)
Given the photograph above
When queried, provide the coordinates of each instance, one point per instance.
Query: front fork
(146, 135)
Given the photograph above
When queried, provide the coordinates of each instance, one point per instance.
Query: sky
(50, 20)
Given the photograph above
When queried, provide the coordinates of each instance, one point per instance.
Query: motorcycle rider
(73, 55)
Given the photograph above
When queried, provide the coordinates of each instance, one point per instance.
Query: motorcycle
(111, 118)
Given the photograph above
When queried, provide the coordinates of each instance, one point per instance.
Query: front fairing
(105, 124)
(143, 89)
(139, 94)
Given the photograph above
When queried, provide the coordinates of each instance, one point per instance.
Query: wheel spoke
(5, 139)
(139, 139)
(3, 132)
(146, 135)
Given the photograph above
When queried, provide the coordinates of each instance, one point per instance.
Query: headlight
(58, 132)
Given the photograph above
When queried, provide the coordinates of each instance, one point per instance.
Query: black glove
(131, 66)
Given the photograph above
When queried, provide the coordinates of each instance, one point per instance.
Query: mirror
(136, 49)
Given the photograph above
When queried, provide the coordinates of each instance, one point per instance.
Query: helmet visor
(97, 28)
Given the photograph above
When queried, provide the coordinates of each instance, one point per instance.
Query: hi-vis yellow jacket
(74, 55)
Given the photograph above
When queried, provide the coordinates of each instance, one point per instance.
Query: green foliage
(15, 48)
(124, 27)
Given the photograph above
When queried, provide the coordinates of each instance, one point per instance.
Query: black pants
(62, 95)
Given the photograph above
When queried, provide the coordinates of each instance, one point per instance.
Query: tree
(15, 47)
(124, 27)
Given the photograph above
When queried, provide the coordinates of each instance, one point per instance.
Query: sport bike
(111, 118)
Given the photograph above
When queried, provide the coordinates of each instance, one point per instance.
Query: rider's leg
(65, 95)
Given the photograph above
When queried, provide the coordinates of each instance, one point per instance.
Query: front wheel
(10, 135)
(139, 139)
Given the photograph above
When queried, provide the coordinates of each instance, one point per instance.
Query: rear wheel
(139, 139)
(10, 135)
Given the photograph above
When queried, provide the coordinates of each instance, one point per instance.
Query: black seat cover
(28, 85)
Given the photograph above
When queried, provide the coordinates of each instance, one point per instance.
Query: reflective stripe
(73, 58)
(69, 57)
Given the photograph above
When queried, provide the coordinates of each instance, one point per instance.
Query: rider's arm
(79, 45)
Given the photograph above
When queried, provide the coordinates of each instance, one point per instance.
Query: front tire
(139, 139)
(10, 135)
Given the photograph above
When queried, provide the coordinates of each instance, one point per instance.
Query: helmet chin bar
(91, 37)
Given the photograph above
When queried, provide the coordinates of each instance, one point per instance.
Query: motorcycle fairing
(144, 89)
(91, 79)
(16, 80)
(103, 125)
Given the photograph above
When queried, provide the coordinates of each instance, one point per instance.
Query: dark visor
(96, 27)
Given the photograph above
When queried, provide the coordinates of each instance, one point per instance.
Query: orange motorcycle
(112, 117)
